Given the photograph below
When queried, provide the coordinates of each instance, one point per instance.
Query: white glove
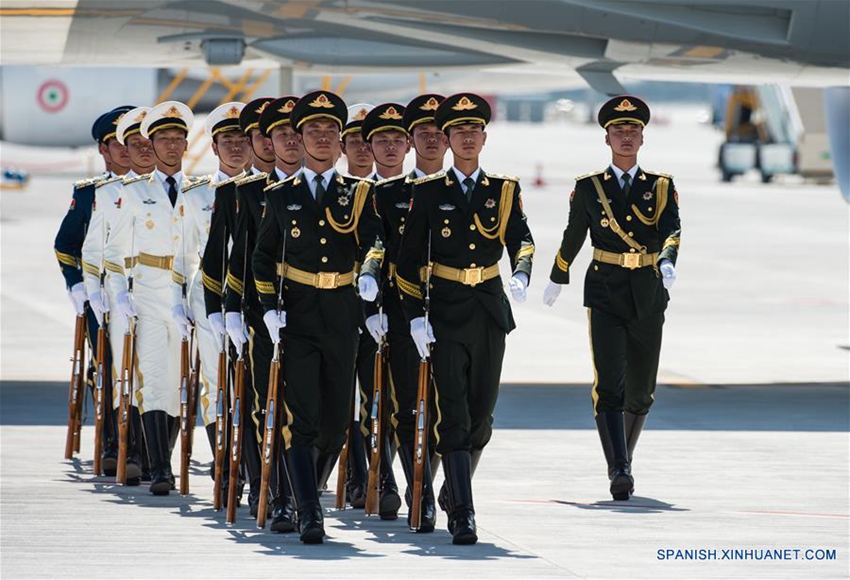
(550, 294)
(668, 273)
(518, 284)
(368, 287)
(236, 329)
(125, 306)
(422, 336)
(216, 321)
(178, 313)
(78, 297)
(99, 305)
(275, 323)
(377, 325)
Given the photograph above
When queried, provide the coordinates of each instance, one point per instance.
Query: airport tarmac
(746, 447)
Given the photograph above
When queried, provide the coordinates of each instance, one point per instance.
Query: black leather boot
(634, 425)
(300, 460)
(357, 473)
(613, 437)
(253, 470)
(156, 434)
(458, 468)
(210, 429)
(428, 515)
(135, 447)
(324, 466)
(389, 501)
(283, 517)
(109, 455)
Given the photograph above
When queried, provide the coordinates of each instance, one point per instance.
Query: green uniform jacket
(650, 217)
(463, 234)
(332, 238)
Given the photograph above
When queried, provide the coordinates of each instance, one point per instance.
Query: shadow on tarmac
(821, 407)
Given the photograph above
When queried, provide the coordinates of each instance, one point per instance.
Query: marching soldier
(142, 238)
(321, 223)
(106, 202)
(274, 124)
(633, 218)
(230, 146)
(392, 197)
(68, 249)
(361, 164)
(462, 219)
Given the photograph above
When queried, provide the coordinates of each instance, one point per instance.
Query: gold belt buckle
(327, 280)
(473, 276)
(631, 261)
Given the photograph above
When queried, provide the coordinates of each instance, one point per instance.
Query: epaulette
(229, 180)
(89, 181)
(500, 176)
(433, 176)
(351, 178)
(282, 181)
(103, 182)
(252, 178)
(390, 180)
(658, 173)
(194, 182)
(142, 177)
(591, 174)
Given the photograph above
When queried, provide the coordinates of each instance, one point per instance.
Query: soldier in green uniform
(251, 199)
(462, 219)
(633, 218)
(322, 224)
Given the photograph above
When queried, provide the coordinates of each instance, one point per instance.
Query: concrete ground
(746, 447)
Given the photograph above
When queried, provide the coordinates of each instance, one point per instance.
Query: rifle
(342, 466)
(127, 367)
(236, 415)
(75, 392)
(273, 414)
(377, 429)
(221, 404)
(99, 391)
(185, 398)
(420, 444)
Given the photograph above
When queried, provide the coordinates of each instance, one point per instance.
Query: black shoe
(622, 485)
(253, 503)
(388, 504)
(356, 496)
(284, 520)
(109, 462)
(311, 523)
(458, 469)
(390, 501)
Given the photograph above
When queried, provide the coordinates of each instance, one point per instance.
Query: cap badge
(430, 105)
(140, 117)
(625, 106)
(232, 113)
(172, 113)
(262, 107)
(390, 114)
(361, 114)
(464, 104)
(287, 106)
(322, 102)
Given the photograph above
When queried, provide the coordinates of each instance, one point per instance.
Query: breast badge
(446, 232)
(150, 224)
(604, 222)
(490, 203)
(295, 232)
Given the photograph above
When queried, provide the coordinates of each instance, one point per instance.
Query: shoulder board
(137, 178)
(251, 178)
(292, 178)
(657, 173)
(433, 176)
(390, 180)
(103, 182)
(89, 181)
(194, 182)
(500, 176)
(591, 174)
(350, 179)
(235, 178)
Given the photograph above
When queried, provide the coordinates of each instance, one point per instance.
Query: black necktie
(172, 190)
(627, 186)
(320, 188)
(469, 184)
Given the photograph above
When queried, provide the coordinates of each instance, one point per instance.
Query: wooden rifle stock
(235, 437)
(99, 391)
(270, 450)
(377, 428)
(127, 367)
(342, 465)
(220, 427)
(75, 391)
(420, 445)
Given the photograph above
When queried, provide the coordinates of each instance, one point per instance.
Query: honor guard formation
(313, 317)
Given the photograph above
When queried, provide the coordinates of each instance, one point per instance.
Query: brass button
(323, 241)
(628, 218)
(324, 259)
(321, 222)
(471, 246)
(176, 237)
(149, 215)
(631, 234)
(345, 216)
(632, 250)
(445, 221)
(472, 265)
(472, 227)
(596, 268)
(294, 222)
(649, 209)
(402, 219)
